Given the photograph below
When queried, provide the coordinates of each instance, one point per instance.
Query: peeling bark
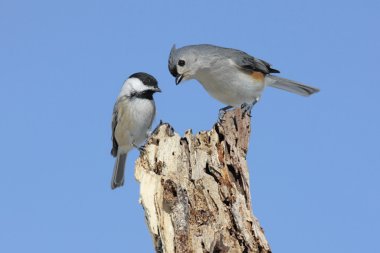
(195, 189)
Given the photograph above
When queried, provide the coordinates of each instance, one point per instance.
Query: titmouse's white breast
(226, 83)
(135, 117)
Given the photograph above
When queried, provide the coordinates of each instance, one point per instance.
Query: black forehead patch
(173, 70)
(147, 79)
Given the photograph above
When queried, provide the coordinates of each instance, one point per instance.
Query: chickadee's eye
(181, 63)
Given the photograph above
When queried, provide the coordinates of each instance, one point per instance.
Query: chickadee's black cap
(147, 79)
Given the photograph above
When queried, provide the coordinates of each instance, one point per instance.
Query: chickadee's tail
(118, 171)
(289, 85)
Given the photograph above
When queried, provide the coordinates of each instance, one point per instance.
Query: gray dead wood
(195, 189)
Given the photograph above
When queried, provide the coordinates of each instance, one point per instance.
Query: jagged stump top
(195, 189)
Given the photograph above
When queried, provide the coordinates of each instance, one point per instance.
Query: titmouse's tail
(289, 85)
(118, 171)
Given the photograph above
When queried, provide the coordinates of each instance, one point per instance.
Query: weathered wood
(195, 189)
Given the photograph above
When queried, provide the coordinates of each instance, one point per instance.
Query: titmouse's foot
(222, 112)
(247, 108)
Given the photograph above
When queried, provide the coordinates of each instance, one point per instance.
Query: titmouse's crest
(172, 62)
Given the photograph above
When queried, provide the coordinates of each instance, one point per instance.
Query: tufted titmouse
(132, 117)
(231, 76)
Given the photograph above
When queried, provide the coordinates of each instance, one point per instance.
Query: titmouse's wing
(249, 63)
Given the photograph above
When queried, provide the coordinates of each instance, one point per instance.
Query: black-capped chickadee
(132, 117)
(231, 76)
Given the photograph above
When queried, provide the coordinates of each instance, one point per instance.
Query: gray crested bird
(231, 76)
(132, 118)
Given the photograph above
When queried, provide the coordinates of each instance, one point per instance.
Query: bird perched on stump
(231, 76)
(132, 117)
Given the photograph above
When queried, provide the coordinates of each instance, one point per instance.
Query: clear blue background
(314, 162)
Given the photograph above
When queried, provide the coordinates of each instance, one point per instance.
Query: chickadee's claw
(155, 131)
(141, 149)
(222, 112)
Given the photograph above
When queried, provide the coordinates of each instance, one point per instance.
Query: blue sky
(314, 162)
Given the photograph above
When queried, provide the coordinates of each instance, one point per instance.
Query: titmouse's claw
(247, 108)
(222, 112)
(220, 116)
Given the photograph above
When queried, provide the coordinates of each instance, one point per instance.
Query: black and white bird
(132, 118)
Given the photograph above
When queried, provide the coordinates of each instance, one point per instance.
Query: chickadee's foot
(155, 131)
(222, 112)
(141, 148)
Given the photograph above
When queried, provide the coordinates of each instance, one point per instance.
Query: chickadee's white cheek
(137, 84)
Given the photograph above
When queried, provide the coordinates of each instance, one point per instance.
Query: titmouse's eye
(181, 63)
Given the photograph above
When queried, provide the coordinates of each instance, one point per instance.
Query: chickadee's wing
(114, 124)
(249, 63)
(151, 120)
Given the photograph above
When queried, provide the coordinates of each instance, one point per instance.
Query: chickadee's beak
(156, 89)
(178, 79)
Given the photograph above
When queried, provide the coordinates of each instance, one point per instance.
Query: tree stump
(195, 189)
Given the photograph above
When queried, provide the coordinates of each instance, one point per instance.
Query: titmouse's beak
(178, 79)
(156, 89)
